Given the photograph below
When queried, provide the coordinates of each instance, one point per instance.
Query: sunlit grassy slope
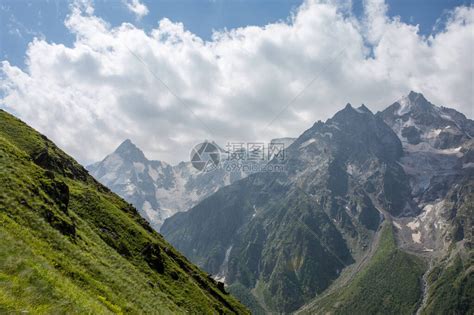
(70, 246)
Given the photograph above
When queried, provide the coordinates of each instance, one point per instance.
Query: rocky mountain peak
(353, 121)
(350, 113)
(355, 131)
(363, 108)
(415, 102)
(416, 97)
(415, 120)
(129, 151)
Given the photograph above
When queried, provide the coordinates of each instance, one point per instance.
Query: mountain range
(363, 214)
(159, 189)
(372, 213)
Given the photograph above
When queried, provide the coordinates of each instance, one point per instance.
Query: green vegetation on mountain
(70, 246)
(451, 287)
(390, 284)
(451, 281)
(247, 298)
(292, 271)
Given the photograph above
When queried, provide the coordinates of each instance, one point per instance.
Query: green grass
(390, 284)
(70, 246)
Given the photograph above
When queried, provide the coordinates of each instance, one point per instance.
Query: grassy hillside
(70, 246)
(390, 284)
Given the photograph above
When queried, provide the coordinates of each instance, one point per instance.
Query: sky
(169, 74)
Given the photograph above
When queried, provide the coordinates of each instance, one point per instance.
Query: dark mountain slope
(70, 246)
(285, 236)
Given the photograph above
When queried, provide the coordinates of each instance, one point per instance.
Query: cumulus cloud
(137, 8)
(167, 89)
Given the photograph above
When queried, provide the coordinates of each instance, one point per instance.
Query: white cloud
(167, 89)
(137, 8)
(86, 6)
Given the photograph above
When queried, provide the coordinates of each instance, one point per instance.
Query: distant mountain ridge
(359, 191)
(159, 189)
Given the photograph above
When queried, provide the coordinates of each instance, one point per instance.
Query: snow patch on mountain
(307, 143)
(405, 106)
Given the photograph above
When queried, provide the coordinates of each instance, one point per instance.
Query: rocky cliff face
(438, 159)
